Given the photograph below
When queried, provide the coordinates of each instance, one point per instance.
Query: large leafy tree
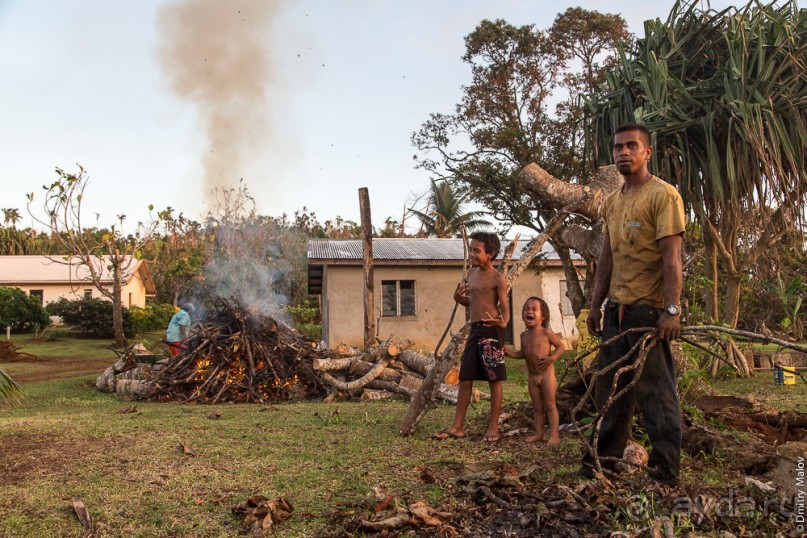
(725, 95)
(504, 120)
(444, 216)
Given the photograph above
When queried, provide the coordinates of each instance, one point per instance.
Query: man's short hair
(188, 307)
(635, 127)
(490, 240)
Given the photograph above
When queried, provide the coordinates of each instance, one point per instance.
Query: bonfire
(237, 355)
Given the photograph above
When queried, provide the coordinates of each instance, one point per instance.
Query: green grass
(91, 348)
(66, 439)
(129, 472)
(760, 387)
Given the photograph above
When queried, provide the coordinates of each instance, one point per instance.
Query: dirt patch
(26, 456)
(33, 370)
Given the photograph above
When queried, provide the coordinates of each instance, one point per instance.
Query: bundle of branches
(237, 355)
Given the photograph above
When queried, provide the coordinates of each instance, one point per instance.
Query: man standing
(639, 271)
(178, 329)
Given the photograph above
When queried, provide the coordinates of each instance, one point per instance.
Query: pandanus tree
(725, 96)
(444, 216)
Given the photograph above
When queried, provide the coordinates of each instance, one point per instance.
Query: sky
(306, 101)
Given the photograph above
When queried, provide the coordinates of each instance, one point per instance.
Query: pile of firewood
(386, 370)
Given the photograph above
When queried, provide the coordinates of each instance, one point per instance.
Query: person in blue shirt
(179, 329)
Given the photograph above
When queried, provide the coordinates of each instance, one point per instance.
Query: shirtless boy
(485, 295)
(536, 344)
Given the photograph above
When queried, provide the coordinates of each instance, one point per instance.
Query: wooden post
(367, 264)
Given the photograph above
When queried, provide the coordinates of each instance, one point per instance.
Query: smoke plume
(217, 55)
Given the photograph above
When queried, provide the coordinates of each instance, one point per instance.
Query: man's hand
(594, 322)
(495, 322)
(669, 327)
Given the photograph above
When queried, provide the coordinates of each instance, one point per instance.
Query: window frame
(398, 314)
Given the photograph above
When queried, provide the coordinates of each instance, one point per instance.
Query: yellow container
(784, 375)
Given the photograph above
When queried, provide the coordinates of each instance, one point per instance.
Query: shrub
(304, 313)
(54, 334)
(307, 319)
(92, 316)
(153, 317)
(311, 330)
(19, 311)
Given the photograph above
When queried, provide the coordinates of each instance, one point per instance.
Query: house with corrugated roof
(53, 277)
(414, 283)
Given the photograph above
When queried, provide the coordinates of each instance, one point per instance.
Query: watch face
(673, 310)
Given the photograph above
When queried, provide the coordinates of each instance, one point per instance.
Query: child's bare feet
(535, 438)
(553, 440)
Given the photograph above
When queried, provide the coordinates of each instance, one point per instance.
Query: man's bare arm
(670, 246)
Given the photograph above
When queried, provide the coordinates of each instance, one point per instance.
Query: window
(398, 298)
(38, 293)
(88, 294)
(130, 300)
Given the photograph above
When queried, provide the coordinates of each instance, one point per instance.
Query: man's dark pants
(655, 392)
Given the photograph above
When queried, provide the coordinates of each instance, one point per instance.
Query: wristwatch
(672, 310)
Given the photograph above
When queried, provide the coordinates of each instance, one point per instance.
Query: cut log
(372, 374)
(134, 389)
(329, 365)
(417, 362)
(411, 381)
(375, 395)
(347, 351)
(106, 381)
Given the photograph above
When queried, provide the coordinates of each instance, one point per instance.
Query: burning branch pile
(235, 355)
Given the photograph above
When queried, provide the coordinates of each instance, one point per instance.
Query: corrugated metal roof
(53, 269)
(398, 249)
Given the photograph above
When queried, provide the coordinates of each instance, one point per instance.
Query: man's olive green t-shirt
(635, 222)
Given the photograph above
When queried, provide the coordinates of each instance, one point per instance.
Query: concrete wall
(132, 294)
(343, 303)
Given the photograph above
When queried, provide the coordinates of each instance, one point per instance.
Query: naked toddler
(536, 347)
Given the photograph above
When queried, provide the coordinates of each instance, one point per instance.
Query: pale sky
(341, 86)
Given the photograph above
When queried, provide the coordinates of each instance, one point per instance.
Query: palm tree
(724, 95)
(11, 216)
(443, 216)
